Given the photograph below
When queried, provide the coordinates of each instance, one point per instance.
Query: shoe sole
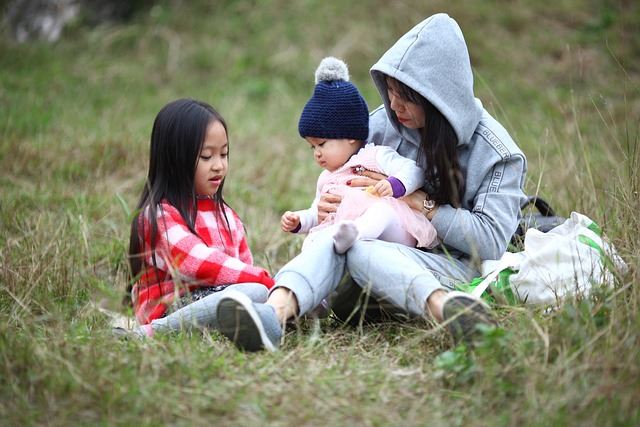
(463, 313)
(126, 334)
(239, 321)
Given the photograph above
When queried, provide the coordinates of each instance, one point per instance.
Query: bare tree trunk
(46, 19)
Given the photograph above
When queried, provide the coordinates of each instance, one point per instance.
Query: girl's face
(332, 153)
(213, 163)
(409, 114)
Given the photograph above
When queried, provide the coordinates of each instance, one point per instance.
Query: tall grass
(75, 120)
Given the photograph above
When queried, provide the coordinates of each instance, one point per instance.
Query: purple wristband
(396, 186)
(298, 227)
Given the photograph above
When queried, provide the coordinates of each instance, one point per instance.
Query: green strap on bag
(499, 292)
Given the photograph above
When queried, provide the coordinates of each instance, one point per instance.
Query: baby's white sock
(345, 236)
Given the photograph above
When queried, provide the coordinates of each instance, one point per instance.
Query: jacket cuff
(397, 187)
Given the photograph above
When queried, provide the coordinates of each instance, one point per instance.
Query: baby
(335, 123)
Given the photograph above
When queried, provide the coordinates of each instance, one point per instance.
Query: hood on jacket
(432, 59)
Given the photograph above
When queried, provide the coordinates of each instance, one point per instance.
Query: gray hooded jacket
(432, 58)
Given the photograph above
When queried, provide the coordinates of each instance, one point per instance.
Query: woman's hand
(367, 178)
(415, 199)
(327, 204)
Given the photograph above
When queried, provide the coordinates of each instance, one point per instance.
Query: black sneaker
(128, 334)
(250, 326)
(462, 313)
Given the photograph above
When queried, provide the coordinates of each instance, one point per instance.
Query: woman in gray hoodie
(472, 195)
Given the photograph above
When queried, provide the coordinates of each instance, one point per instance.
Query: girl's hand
(327, 204)
(289, 221)
(383, 187)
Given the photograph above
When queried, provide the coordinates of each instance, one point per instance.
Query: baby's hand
(371, 190)
(383, 188)
(289, 221)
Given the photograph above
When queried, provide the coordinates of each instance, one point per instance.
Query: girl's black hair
(439, 148)
(178, 133)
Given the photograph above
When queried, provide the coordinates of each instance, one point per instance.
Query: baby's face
(332, 153)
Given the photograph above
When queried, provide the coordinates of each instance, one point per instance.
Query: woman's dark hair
(439, 148)
(178, 133)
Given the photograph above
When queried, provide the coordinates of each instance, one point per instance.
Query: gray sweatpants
(398, 277)
(202, 313)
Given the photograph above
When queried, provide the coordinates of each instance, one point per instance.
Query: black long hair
(439, 149)
(178, 133)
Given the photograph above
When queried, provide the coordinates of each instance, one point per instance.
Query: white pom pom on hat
(331, 69)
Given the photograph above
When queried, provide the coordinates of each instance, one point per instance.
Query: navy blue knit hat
(336, 110)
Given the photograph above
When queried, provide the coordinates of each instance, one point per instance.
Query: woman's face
(410, 115)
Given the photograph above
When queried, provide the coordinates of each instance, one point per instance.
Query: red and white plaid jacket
(213, 257)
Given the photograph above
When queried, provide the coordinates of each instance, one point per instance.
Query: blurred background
(82, 81)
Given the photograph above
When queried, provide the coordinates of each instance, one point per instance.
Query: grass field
(75, 117)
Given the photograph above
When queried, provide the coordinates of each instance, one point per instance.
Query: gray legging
(202, 313)
(396, 276)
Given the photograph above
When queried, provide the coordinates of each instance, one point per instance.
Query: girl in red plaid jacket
(187, 245)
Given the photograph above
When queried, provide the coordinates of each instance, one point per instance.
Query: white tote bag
(567, 260)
